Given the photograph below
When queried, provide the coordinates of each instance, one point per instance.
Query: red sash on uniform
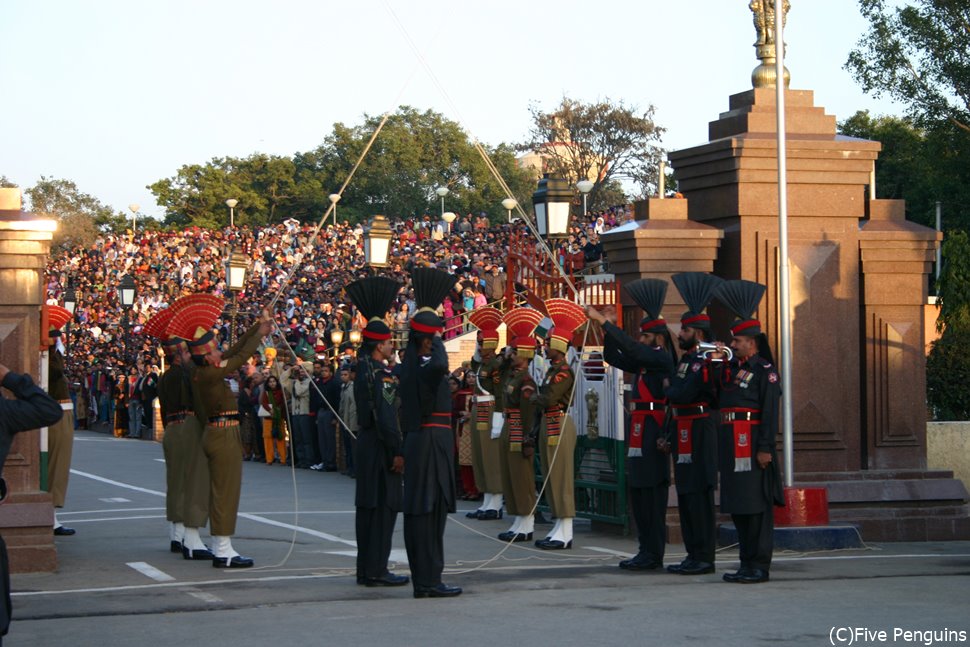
(554, 418)
(483, 418)
(639, 416)
(742, 436)
(515, 429)
(685, 448)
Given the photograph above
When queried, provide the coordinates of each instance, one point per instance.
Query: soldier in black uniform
(748, 399)
(379, 457)
(31, 408)
(429, 447)
(693, 424)
(648, 465)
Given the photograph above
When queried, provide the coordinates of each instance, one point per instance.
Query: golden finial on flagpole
(764, 75)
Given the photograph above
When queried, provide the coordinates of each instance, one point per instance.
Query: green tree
(6, 183)
(604, 140)
(920, 164)
(948, 364)
(81, 217)
(414, 154)
(197, 194)
(917, 54)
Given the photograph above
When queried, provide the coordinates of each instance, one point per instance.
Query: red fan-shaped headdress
(567, 316)
(487, 320)
(521, 323)
(193, 319)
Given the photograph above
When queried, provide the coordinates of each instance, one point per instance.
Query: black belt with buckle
(699, 410)
(740, 416)
(648, 406)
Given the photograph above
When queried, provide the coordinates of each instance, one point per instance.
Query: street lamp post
(134, 218)
(70, 304)
(126, 294)
(509, 204)
(334, 199)
(231, 203)
(584, 186)
(442, 191)
(238, 266)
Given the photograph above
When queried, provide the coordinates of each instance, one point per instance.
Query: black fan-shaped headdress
(431, 286)
(649, 295)
(742, 298)
(373, 297)
(697, 290)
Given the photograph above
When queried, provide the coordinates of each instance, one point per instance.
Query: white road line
(166, 585)
(306, 531)
(132, 518)
(245, 515)
(148, 570)
(95, 477)
(115, 499)
(206, 597)
(63, 514)
(284, 578)
(160, 460)
(618, 553)
(397, 554)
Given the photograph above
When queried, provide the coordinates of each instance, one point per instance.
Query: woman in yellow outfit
(274, 425)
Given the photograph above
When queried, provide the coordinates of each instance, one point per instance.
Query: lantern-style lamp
(238, 268)
(70, 300)
(551, 202)
(377, 242)
(126, 291)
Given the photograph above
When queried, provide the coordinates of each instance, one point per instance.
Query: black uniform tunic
(429, 455)
(379, 490)
(748, 495)
(648, 471)
(692, 398)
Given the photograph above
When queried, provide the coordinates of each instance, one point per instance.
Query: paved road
(117, 584)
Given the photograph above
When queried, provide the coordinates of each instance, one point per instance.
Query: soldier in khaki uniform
(557, 433)
(518, 444)
(215, 406)
(488, 404)
(186, 467)
(60, 435)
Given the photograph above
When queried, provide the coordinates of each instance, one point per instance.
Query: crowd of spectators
(109, 357)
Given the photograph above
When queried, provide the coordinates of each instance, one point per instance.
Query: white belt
(67, 406)
(480, 399)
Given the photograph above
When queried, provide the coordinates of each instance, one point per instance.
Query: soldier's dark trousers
(697, 524)
(375, 526)
(424, 539)
(755, 538)
(649, 506)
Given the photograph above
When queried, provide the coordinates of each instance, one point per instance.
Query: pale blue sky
(118, 94)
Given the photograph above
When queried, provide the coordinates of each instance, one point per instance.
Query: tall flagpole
(784, 280)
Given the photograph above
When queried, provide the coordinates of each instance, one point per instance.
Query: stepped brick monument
(859, 279)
